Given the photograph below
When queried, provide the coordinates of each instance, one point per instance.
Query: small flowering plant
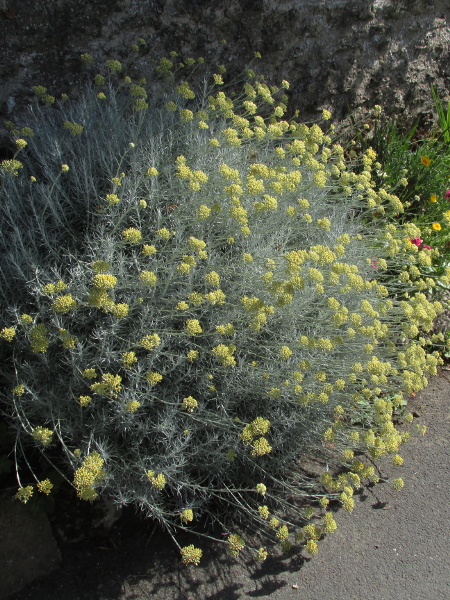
(204, 306)
(415, 164)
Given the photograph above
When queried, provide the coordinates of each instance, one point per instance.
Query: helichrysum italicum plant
(189, 309)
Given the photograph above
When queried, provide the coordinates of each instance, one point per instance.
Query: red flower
(426, 247)
(416, 241)
(447, 195)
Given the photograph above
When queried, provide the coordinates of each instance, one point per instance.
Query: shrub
(190, 306)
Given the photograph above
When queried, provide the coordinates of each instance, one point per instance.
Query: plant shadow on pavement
(136, 559)
(112, 555)
(120, 555)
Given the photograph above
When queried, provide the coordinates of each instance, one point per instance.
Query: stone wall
(335, 53)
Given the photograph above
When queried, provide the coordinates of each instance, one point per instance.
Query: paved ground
(395, 546)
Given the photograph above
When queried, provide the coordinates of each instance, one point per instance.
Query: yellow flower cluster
(164, 67)
(285, 352)
(63, 304)
(258, 427)
(7, 333)
(158, 481)
(347, 501)
(189, 404)
(187, 516)
(398, 484)
(38, 338)
(132, 235)
(329, 524)
(196, 298)
(270, 203)
(112, 199)
(191, 554)
(129, 359)
(193, 326)
(20, 143)
(186, 115)
(150, 342)
(235, 544)
(131, 406)
(221, 104)
(282, 533)
(138, 90)
(18, 390)
(261, 554)
(184, 90)
(84, 400)
(99, 298)
(53, 288)
(68, 341)
(88, 475)
(74, 128)
(203, 212)
(227, 329)
(148, 278)
(25, 319)
(260, 447)
(114, 66)
(231, 136)
(148, 250)
(109, 386)
(153, 378)
(90, 373)
(187, 262)
(45, 486)
(195, 178)
(196, 244)
(192, 355)
(42, 435)
(119, 310)
(11, 166)
(216, 297)
(261, 489)
(101, 266)
(213, 278)
(225, 354)
(24, 493)
(312, 547)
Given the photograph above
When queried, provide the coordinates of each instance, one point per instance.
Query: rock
(27, 547)
(335, 53)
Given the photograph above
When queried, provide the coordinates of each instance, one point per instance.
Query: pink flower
(425, 247)
(374, 263)
(447, 195)
(416, 241)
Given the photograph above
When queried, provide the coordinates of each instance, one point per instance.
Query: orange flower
(433, 198)
(436, 226)
(426, 160)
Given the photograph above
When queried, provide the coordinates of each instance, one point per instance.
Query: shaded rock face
(27, 550)
(335, 53)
